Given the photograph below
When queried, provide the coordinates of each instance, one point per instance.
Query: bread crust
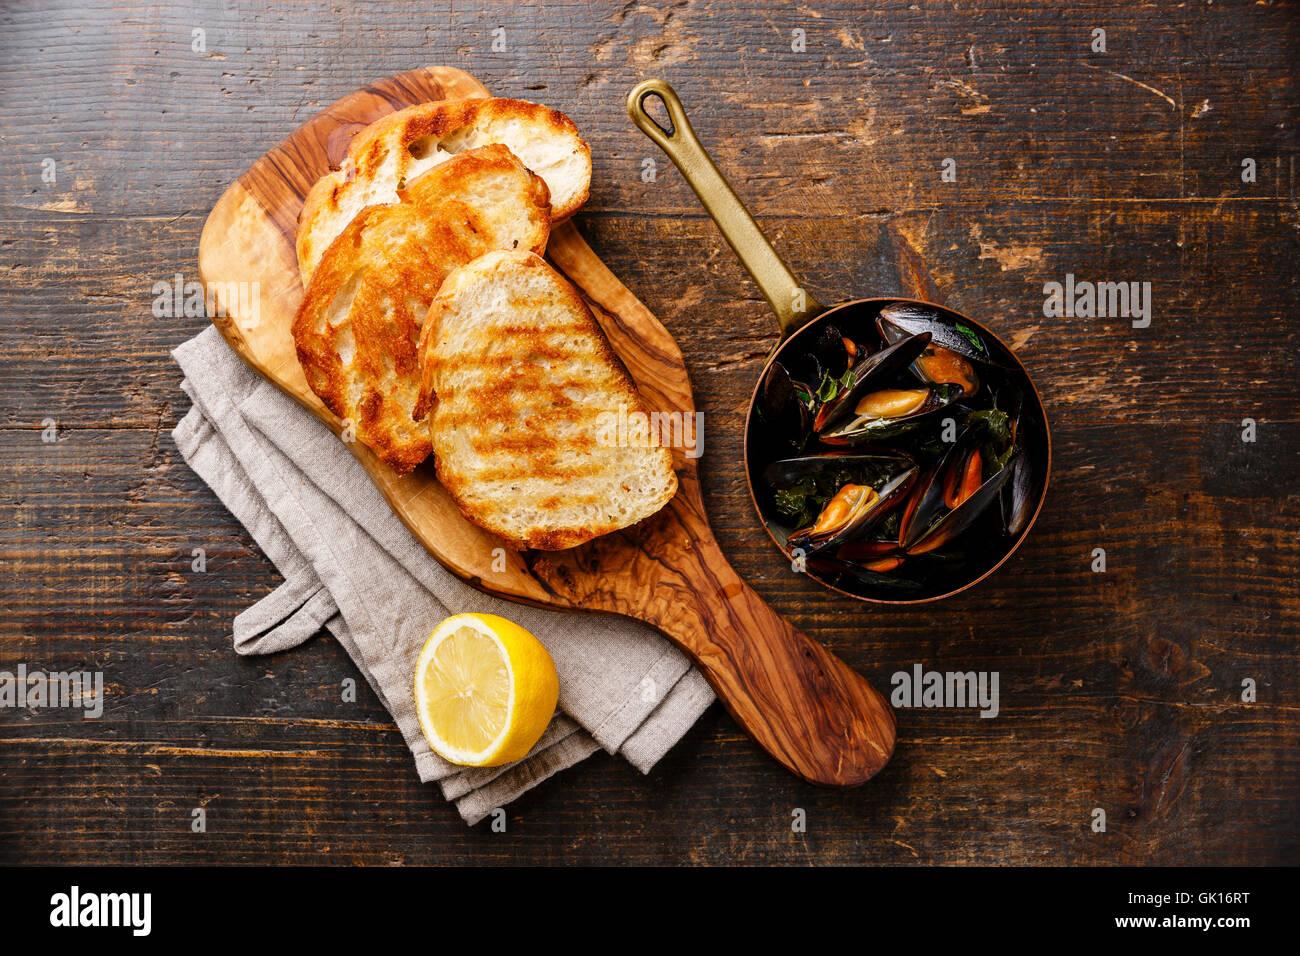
(358, 327)
(379, 161)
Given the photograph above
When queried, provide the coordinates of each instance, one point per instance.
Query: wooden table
(1120, 690)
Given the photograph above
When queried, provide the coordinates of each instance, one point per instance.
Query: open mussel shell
(831, 352)
(852, 512)
(876, 555)
(936, 365)
(865, 375)
(867, 423)
(871, 466)
(1021, 493)
(930, 520)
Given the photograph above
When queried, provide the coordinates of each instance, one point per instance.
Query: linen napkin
(350, 567)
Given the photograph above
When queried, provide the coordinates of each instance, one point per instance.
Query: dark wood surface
(1118, 690)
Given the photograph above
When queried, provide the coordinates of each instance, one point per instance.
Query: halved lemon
(485, 690)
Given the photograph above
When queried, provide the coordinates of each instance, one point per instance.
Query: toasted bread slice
(396, 149)
(523, 390)
(359, 324)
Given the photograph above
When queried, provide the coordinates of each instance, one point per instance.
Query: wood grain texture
(1119, 690)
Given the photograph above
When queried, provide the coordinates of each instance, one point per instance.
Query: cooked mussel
(886, 412)
(1016, 492)
(876, 555)
(865, 375)
(851, 512)
(850, 574)
(802, 486)
(954, 494)
(843, 513)
(833, 352)
(1017, 496)
(936, 365)
(824, 362)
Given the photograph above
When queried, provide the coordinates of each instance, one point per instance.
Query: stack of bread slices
(431, 324)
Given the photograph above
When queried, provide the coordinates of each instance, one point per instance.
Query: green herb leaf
(831, 386)
(993, 423)
(792, 503)
(973, 337)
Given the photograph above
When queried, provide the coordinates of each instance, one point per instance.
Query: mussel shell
(830, 351)
(927, 523)
(1011, 399)
(872, 466)
(854, 577)
(891, 332)
(876, 556)
(952, 335)
(1016, 504)
(1017, 496)
(857, 430)
(784, 411)
(870, 550)
(827, 355)
(876, 368)
(889, 496)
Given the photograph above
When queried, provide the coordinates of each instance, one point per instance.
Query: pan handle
(794, 306)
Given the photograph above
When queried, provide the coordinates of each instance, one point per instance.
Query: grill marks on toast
(358, 329)
(518, 375)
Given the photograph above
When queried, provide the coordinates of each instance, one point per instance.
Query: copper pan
(799, 313)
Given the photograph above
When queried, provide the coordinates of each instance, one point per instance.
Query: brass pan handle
(794, 306)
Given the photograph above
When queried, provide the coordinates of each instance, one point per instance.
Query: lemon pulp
(468, 689)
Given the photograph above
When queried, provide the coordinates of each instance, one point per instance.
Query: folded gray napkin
(350, 567)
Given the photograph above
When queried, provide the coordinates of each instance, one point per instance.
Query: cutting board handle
(802, 704)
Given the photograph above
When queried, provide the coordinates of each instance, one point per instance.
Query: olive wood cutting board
(804, 706)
